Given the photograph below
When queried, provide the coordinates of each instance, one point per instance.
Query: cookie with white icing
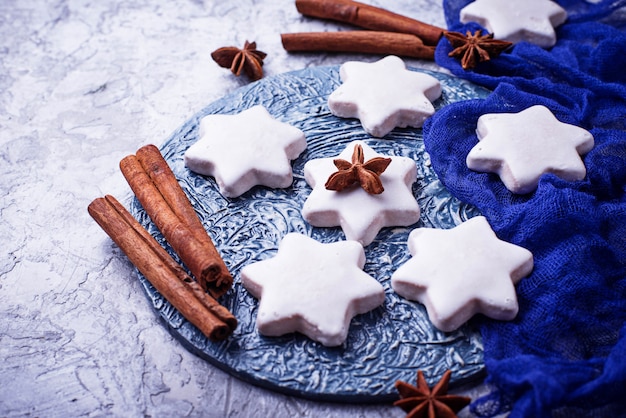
(459, 272)
(384, 95)
(361, 215)
(520, 147)
(244, 150)
(312, 288)
(515, 21)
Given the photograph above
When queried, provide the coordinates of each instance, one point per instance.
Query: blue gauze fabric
(565, 353)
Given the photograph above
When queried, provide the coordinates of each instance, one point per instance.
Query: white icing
(515, 21)
(520, 147)
(457, 273)
(384, 95)
(244, 150)
(312, 288)
(361, 215)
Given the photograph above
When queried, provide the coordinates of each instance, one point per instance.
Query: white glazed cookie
(459, 272)
(520, 147)
(361, 215)
(515, 21)
(244, 150)
(384, 95)
(312, 288)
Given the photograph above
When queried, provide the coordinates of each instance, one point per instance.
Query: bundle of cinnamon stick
(387, 33)
(158, 191)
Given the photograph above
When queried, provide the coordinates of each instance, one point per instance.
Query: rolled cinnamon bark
(163, 177)
(169, 208)
(170, 279)
(365, 42)
(369, 17)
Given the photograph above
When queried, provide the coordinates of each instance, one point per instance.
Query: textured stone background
(82, 84)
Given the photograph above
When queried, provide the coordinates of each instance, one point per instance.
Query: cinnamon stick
(369, 17)
(170, 279)
(159, 193)
(162, 175)
(163, 178)
(365, 42)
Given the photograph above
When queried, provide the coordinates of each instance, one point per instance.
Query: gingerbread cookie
(520, 147)
(312, 288)
(515, 21)
(244, 150)
(361, 214)
(384, 95)
(459, 272)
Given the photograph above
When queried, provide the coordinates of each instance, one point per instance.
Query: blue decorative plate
(385, 345)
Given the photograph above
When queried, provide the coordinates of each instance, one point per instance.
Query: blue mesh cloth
(565, 353)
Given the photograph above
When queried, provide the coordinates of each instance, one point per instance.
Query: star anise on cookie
(422, 402)
(248, 59)
(366, 174)
(474, 48)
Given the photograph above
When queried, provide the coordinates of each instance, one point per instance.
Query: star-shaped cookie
(244, 150)
(459, 272)
(312, 288)
(361, 215)
(515, 21)
(384, 95)
(520, 147)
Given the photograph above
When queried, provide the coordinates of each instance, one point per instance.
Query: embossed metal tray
(385, 345)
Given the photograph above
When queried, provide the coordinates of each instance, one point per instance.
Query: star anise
(248, 59)
(472, 49)
(366, 174)
(420, 401)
